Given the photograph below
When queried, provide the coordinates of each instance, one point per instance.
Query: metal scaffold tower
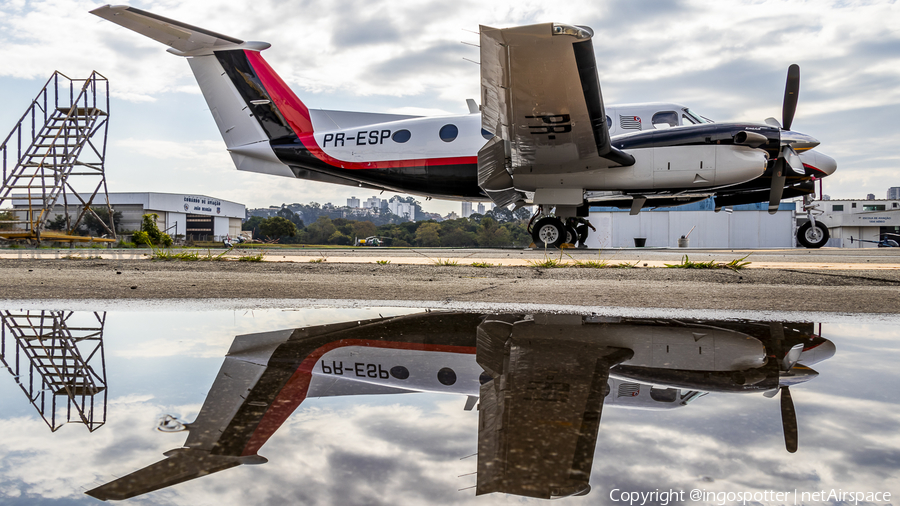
(60, 140)
(60, 367)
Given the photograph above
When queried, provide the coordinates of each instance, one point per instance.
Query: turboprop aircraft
(534, 378)
(543, 136)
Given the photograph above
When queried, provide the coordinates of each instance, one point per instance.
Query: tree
(363, 229)
(276, 226)
(253, 225)
(94, 226)
(491, 234)
(428, 234)
(58, 223)
(149, 233)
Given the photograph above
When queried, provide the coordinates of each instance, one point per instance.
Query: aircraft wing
(541, 99)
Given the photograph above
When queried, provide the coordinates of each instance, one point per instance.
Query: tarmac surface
(826, 280)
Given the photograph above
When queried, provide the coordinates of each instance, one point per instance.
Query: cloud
(726, 60)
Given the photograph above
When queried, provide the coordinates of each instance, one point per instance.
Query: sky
(726, 60)
(413, 448)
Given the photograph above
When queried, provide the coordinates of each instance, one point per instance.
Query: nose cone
(800, 142)
(821, 164)
(817, 353)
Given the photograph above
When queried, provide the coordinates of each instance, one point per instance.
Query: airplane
(543, 136)
(541, 377)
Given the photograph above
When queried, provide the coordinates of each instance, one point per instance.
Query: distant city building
(480, 208)
(451, 216)
(826, 197)
(870, 196)
(402, 209)
(466, 209)
(373, 203)
(893, 193)
(353, 202)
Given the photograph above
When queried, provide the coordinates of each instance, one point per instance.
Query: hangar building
(863, 219)
(192, 216)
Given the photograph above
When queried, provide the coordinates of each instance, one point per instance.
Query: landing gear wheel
(549, 231)
(812, 237)
(571, 236)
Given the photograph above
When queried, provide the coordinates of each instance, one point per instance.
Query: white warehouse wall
(740, 229)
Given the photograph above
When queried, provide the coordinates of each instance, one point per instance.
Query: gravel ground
(797, 289)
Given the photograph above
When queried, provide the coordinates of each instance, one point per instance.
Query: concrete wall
(740, 229)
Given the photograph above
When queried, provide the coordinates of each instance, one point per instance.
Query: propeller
(786, 377)
(788, 157)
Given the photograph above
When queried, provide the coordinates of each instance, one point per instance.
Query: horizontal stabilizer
(181, 466)
(184, 39)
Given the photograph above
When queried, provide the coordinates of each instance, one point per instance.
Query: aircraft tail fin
(251, 104)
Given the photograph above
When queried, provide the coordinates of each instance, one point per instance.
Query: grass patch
(591, 264)
(382, 262)
(318, 260)
(445, 262)
(168, 255)
(252, 258)
(483, 265)
(626, 265)
(79, 257)
(686, 263)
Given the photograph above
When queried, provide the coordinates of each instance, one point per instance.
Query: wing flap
(541, 94)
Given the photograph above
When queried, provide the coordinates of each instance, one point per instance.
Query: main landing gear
(551, 231)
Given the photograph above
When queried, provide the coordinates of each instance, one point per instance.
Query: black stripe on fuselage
(712, 133)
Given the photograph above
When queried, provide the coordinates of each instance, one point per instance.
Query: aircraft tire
(571, 236)
(812, 237)
(548, 231)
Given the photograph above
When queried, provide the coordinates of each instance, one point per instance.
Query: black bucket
(640, 242)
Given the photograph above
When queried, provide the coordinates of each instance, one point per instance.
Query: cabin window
(449, 133)
(446, 375)
(853, 205)
(837, 207)
(401, 136)
(487, 135)
(895, 205)
(665, 119)
(399, 372)
(609, 122)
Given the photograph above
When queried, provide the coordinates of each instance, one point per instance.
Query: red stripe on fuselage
(297, 116)
(296, 388)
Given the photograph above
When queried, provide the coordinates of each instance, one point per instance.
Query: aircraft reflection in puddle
(540, 383)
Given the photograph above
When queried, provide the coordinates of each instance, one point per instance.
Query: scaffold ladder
(52, 360)
(61, 137)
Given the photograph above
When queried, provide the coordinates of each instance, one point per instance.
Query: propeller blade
(791, 92)
(773, 122)
(768, 394)
(791, 357)
(777, 189)
(789, 421)
(793, 160)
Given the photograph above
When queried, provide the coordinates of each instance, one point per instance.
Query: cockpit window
(665, 119)
(696, 118)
